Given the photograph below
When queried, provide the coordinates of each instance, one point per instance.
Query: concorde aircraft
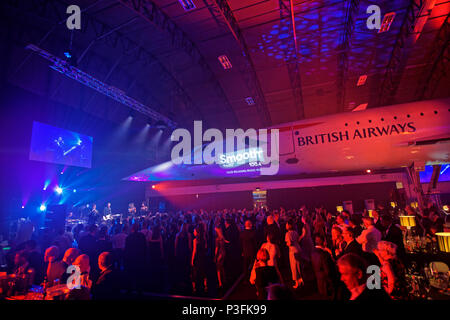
(380, 138)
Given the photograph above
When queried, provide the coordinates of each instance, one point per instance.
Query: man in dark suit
(135, 257)
(88, 245)
(232, 248)
(393, 234)
(249, 247)
(352, 245)
(324, 268)
(107, 286)
(273, 228)
(353, 270)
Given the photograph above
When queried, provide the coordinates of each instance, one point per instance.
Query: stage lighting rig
(82, 77)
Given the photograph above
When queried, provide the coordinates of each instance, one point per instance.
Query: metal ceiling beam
(150, 12)
(249, 72)
(351, 10)
(292, 63)
(76, 74)
(52, 11)
(400, 53)
(439, 59)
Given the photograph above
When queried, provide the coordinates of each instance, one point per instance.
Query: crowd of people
(203, 253)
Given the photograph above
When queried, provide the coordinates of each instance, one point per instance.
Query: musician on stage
(131, 210)
(144, 209)
(93, 215)
(107, 209)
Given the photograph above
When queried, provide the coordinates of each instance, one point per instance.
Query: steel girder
(293, 63)
(149, 11)
(249, 73)
(76, 74)
(351, 10)
(438, 60)
(53, 11)
(400, 53)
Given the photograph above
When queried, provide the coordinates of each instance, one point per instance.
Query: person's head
(20, 258)
(51, 254)
(263, 255)
(386, 250)
(367, 221)
(270, 220)
(82, 261)
(105, 261)
(336, 233)
(319, 240)
(348, 234)
(353, 270)
(94, 206)
(228, 222)
(70, 255)
(386, 220)
(270, 237)
(289, 226)
(340, 219)
(291, 239)
(108, 204)
(248, 225)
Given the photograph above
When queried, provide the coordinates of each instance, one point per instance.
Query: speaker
(55, 217)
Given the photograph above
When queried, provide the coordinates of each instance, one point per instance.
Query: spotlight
(62, 172)
(153, 187)
(160, 125)
(368, 171)
(58, 190)
(74, 190)
(42, 207)
(44, 188)
(23, 207)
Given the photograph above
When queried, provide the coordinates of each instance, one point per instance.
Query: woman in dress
(291, 239)
(274, 253)
(198, 261)
(392, 270)
(219, 256)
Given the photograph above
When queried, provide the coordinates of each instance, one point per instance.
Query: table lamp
(443, 241)
(407, 221)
